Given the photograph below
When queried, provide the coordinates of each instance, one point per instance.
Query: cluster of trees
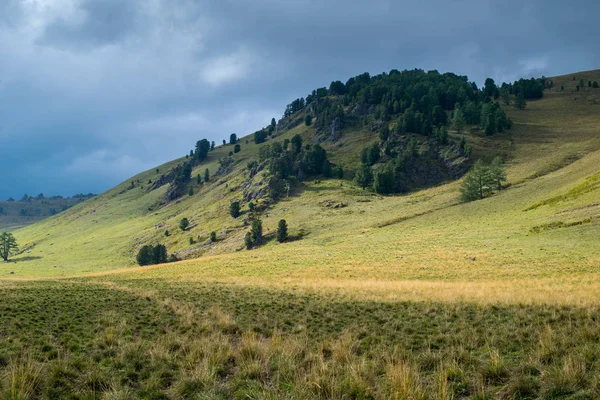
(150, 255)
(483, 180)
(294, 107)
(8, 245)
(254, 237)
(292, 160)
(394, 164)
(530, 89)
(327, 112)
(418, 101)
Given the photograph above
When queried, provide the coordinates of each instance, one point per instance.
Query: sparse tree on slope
(520, 102)
(256, 232)
(8, 245)
(497, 172)
(248, 240)
(145, 255)
(364, 176)
(282, 231)
(478, 183)
(183, 224)
(234, 209)
(458, 121)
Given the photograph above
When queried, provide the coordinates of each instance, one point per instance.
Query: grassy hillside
(27, 211)
(403, 297)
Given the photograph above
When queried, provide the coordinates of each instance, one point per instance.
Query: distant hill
(398, 126)
(16, 214)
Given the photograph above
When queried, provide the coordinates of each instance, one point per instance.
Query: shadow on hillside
(24, 258)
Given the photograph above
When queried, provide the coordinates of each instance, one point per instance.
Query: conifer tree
(520, 102)
(256, 232)
(282, 231)
(183, 224)
(478, 183)
(498, 174)
(248, 241)
(234, 209)
(8, 245)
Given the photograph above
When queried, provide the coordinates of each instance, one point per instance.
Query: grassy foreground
(400, 297)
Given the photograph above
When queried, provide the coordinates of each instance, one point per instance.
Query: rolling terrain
(410, 296)
(29, 210)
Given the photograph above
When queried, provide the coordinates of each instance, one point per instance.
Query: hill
(412, 295)
(29, 210)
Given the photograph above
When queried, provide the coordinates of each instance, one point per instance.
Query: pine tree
(364, 176)
(520, 102)
(458, 121)
(256, 232)
(206, 175)
(213, 236)
(145, 255)
(198, 179)
(248, 241)
(234, 209)
(478, 183)
(8, 245)
(498, 174)
(282, 231)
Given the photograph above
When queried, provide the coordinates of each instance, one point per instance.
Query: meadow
(413, 296)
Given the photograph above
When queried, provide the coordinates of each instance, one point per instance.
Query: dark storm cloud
(95, 23)
(93, 91)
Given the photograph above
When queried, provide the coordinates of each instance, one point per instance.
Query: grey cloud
(91, 91)
(95, 23)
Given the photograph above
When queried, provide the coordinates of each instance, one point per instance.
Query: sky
(95, 91)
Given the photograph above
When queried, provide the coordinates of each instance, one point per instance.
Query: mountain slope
(374, 236)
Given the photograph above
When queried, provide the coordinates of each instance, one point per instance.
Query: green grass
(414, 296)
(18, 214)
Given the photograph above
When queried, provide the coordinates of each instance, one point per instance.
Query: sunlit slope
(552, 160)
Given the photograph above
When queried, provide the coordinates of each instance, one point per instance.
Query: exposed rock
(360, 110)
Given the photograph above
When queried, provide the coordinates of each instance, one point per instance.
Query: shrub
(213, 236)
(251, 206)
(234, 209)
(166, 233)
(184, 224)
(308, 120)
(237, 148)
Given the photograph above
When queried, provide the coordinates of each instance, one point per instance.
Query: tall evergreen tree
(497, 172)
(458, 121)
(248, 240)
(233, 138)
(364, 176)
(256, 231)
(520, 102)
(145, 255)
(202, 149)
(8, 245)
(478, 183)
(282, 231)
(206, 175)
(297, 143)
